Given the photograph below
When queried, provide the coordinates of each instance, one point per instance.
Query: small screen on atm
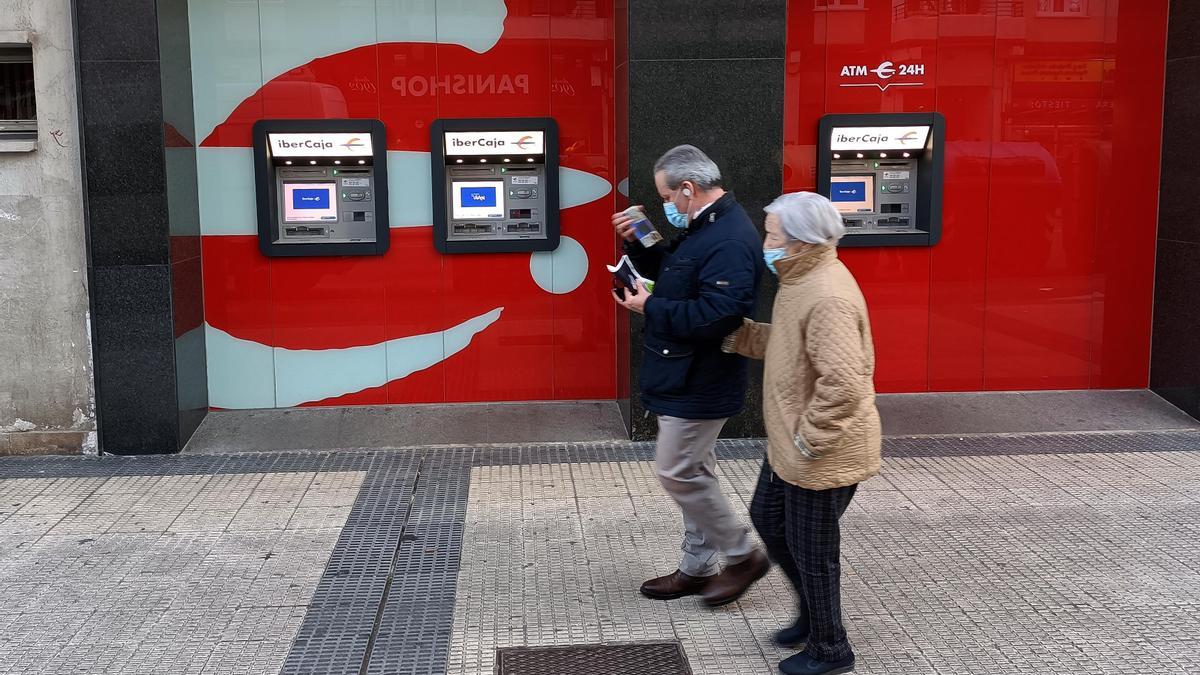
(852, 194)
(309, 202)
(478, 199)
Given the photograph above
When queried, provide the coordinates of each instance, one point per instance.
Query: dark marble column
(139, 274)
(709, 74)
(1175, 356)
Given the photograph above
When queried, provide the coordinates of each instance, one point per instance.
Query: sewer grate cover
(646, 658)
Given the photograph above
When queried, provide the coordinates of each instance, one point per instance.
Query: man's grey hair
(807, 217)
(687, 162)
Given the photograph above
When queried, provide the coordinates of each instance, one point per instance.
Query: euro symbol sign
(884, 70)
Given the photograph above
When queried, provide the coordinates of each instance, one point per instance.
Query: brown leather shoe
(674, 585)
(735, 580)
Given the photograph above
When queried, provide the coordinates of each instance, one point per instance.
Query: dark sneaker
(735, 580)
(674, 585)
(803, 664)
(792, 637)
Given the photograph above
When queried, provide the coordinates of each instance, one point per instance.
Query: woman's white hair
(807, 217)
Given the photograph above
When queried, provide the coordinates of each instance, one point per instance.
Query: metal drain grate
(646, 658)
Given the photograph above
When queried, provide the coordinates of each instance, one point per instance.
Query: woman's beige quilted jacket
(818, 392)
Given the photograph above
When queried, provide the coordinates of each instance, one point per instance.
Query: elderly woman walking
(822, 424)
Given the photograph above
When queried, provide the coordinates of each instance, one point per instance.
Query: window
(1069, 8)
(18, 110)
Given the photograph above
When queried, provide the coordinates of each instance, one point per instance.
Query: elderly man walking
(706, 282)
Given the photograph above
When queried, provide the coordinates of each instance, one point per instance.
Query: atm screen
(309, 202)
(852, 194)
(478, 199)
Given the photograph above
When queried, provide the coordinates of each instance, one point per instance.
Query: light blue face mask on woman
(771, 255)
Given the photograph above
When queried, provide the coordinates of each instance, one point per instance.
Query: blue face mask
(771, 255)
(677, 219)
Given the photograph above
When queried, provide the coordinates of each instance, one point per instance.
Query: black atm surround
(437, 169)
(930, 178)
(264, 181)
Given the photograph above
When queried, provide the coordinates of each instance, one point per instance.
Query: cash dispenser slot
(304, 231)
(473, 229)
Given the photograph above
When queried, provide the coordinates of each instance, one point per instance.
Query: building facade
(1058, 267)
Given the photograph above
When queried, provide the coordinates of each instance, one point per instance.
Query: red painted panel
(408, 88)
(1125, 252)
(895, 281)
(1044, 193)
(513, 359)
(414, 305)
(876, 37)
(325, 303)
(584, 319)
(237, 287)
(512, 79)
(959, 263)
(804, 95)
(1043, 277)
(582, 101)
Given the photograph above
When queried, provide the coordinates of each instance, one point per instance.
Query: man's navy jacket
(705, 283)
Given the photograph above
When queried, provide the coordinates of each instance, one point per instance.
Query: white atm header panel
(321, 145)
(879, 138)
(495, 142)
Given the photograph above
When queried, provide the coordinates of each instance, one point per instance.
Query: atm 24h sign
(883, 76)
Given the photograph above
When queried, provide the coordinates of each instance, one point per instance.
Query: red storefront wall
(554, 58)
(1043, 278)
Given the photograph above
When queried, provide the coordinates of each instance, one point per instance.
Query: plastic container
(642, 228)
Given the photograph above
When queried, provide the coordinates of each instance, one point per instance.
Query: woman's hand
(803, 447)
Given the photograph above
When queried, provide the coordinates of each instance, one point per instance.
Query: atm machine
(884, 172)
(321, 187)
(495, 185)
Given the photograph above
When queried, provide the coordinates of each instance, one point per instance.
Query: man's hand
(623, 222)
(635, 301)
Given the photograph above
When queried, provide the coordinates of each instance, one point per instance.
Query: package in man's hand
(645, 232)
(626, 276)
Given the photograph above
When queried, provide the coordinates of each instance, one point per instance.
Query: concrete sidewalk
(1075, 553)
